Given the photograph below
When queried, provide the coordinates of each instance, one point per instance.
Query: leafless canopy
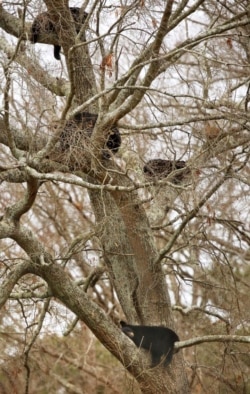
(124, 184)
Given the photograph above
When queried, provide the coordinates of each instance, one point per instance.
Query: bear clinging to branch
(43, 24)
(156, 339)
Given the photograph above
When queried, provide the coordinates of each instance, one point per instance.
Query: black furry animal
(81, 126)
(43, 24)
(159, 169)
(158, 340)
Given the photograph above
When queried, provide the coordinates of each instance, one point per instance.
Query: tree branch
(212, 338)
(11, 280)
(190, 216)
(14, 212)
(12, 24)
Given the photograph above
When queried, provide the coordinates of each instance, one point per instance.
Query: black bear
(159, 168)
(81, 126)
(156, 339)
(43, 24)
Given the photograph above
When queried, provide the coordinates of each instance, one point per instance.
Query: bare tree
(125, 185)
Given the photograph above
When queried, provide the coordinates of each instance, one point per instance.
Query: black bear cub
(160, 169)
(43, 24)
(158, 340)
(81, 126)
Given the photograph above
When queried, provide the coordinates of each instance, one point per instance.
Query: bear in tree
(81, 127)
(43, 24)
(159, 169)
(158, 340)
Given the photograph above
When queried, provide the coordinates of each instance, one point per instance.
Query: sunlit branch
(212, 338)
(188, 310)
(91, 186)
